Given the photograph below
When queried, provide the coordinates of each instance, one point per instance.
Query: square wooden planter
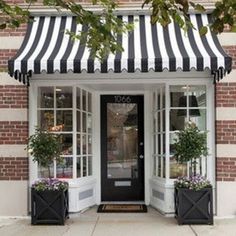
(194, 207)
(49, 207)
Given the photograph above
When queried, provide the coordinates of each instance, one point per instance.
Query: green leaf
(199, 8)
(203, 30)
(3, 26)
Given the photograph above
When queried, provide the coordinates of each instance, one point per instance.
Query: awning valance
(48, 48)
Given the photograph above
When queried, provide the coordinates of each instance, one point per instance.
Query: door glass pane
(122, 140)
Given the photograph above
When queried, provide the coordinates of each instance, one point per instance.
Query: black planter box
(49, 207)
(194, 207)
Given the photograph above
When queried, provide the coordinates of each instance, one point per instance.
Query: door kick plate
(122, 183)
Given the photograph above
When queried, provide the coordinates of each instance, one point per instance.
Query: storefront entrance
(122, 148)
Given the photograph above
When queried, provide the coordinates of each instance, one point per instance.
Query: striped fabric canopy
(48, 48)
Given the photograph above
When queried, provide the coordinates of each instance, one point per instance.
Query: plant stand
(49, 207)
(194, 207)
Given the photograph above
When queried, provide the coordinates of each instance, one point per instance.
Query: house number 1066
(122, 99)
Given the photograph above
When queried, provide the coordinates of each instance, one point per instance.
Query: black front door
(122, 148)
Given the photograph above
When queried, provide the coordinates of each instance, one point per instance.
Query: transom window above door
(67, 111)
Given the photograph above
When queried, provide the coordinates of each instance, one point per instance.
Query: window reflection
(122, 143)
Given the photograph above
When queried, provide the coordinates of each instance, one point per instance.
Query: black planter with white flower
(194, 206)
(49, 202)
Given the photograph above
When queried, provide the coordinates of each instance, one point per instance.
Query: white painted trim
(13, 150)
(225, 113)
(229, 78)
(13, 114)
(147, 145)
(6, 79)
(226, 150)
(151, 76)
(11, 42)
(227, 38)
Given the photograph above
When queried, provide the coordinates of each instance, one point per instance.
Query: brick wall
(231, 50)
(226, 169)
(226, 94)
(226, 132)
(13, 132)
(14, 168)
(13, 96)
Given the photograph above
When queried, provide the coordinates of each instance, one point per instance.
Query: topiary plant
(190, 145)
(45, 147)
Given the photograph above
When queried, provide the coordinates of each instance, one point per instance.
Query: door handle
(141, 156)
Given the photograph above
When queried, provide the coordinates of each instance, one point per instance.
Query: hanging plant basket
(194, 206)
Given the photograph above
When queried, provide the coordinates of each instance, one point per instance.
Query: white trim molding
(225, 113)
(226, 150)
(231, 77)
(227, 39)
(11, 42)
(14, 114)
(13, 150)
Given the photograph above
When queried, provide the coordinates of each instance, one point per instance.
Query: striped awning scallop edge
(46, 47)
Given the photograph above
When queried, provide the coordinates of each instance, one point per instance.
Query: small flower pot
(194, 207)
(49, 206)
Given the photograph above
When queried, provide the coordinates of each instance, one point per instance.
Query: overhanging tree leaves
(103, 28)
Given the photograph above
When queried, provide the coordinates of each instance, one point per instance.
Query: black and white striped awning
(48, 48)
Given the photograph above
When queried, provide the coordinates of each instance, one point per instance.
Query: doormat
(122, 208)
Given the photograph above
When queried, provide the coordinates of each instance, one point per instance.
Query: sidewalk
(91, 223)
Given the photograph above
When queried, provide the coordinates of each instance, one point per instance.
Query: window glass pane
(158, 144)
(84, 122)
(84, 100)
(199, 120)
(89, 102)
(177, 98)
(164, 143)
(64, 97)
(89, 165)
(154, 122)
(84, 144)
(66, 140)
(89, 123)
(159, 121)
(78, 121)
(44, 173)
(78, 144)
(176, 169)
(154, 165)
(78, 99)
(84, 166)
(173, 136)
(200, 93)
(163, 97)
(159, 166)
(89, 144)
(164, 166)
(154, 101)
(177, 122)
(45, 97)
(154, 144)
(78, 167)
(163, 120)
(45, 120)
(158, 101)
(65, 169)
(64, 119)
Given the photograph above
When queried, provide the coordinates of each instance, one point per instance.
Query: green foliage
(103, 28)
(45, 147)
(190, 145)
(12, 16)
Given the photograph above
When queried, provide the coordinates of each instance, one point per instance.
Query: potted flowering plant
(193, 194)
(49, 196)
